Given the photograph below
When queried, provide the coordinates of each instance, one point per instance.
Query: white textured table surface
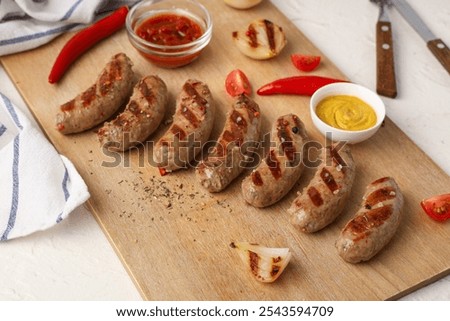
(74, 261)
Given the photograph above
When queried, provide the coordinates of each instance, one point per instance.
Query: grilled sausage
(191, 127)
(324, 198)
(374, 224)
(101, 100)
(234, 147)
(141, 117)
(280, 170)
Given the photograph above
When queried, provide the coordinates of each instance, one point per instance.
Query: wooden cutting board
(173, 237)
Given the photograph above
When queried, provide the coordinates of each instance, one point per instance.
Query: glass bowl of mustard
(169, 33)
(347, 112)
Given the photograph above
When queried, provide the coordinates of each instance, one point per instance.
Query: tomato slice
(437, 207)
(237, 83)
(305, 62)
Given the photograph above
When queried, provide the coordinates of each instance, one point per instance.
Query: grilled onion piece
(261, 40)
(266, 264)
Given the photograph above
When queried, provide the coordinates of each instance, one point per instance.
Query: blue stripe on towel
(2, 129)
(71, 10)
(66, 192)
(38, 35)
(9, 106)
(15, 191)
(64, 184)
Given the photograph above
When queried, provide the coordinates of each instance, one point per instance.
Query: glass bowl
(169, 56)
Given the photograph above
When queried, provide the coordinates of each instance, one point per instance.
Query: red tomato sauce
(169, 30)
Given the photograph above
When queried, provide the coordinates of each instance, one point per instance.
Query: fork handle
(441, 52)
(386, 84)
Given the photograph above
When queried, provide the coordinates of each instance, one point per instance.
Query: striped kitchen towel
(38, 187)
(27, 24)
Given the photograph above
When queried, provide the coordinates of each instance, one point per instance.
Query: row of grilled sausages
(318, 205)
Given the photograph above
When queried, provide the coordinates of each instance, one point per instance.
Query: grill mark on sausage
(238, 120)
(238, 128)
(68, 106)
(88, 96)
(315, 196)
(134, 108)
(274, 165)
(328, 179)
(336, 157)
(236, 137)
(222, 145)
(256, 179)
(178, 132)
(363, 224)
(380, 195)
(146, 92)
(190, 116)
(122, 121)
(193, 93)
(220, 148)
(297, 122)
(228, 136)
(108, 77)
(193, 100)
(249, 106)
(286, 140)
(288, 149)
(270, 34)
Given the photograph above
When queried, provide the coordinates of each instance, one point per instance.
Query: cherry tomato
(237, 83)
(437, 207)
(305, 62)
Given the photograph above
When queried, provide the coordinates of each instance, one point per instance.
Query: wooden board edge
(420, 285)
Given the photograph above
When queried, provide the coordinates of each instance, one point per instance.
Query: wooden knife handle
(441, 52)
(386, 84)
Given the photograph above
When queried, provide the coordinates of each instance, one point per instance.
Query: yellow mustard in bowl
(346, 112)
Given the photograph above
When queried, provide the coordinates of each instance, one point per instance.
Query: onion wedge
(266, 264)
(261, 40)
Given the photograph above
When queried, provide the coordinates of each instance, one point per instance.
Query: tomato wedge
(305, 62)
(437, 207)
(237, 83)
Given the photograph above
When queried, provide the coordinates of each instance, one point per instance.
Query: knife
(436, 45)
(386, 84)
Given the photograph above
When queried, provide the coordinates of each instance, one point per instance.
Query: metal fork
(386, 83)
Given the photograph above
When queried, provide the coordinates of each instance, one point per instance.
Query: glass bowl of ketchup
(169, 33)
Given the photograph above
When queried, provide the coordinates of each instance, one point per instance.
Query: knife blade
(386, 83)
(436, 45)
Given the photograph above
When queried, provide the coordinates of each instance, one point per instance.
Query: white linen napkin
(38, 187)
(27, 24)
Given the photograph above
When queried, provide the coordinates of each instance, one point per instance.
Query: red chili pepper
(84, 40)
(297, 85)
